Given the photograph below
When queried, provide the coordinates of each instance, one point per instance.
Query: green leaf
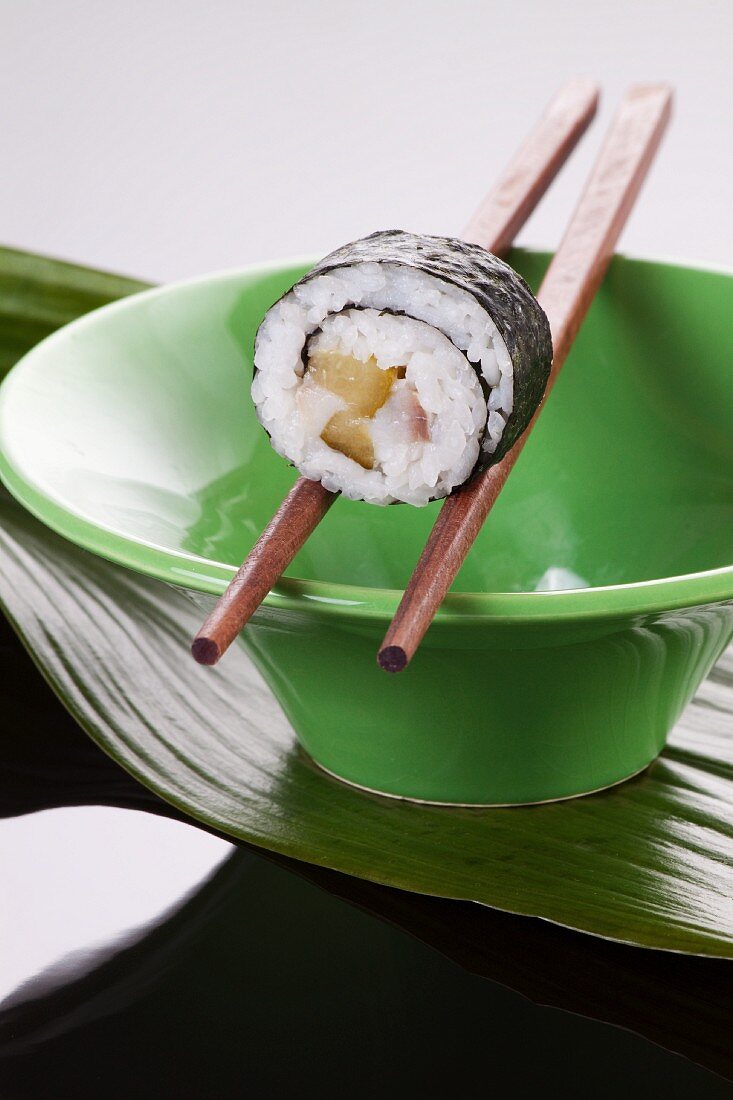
(647, 863)
(38, 295)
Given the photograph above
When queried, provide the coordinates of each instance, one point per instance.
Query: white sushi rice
(434, 330)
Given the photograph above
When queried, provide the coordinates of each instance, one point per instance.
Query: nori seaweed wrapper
(496, 286)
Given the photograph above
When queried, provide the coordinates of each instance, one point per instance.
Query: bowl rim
(345, 601)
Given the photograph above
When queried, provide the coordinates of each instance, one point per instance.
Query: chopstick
(494, 225)
(571, 282)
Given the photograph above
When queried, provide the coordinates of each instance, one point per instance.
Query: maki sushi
(400, 366)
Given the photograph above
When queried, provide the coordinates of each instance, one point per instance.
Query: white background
(166, 138)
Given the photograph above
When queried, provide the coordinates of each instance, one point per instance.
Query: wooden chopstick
(566, 293)
(494, 225)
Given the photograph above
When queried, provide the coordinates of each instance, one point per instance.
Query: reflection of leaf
(260, 985)
(681, 1002)
(46, 760)
(648, 863)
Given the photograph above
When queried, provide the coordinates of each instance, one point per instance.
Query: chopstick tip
(205, 650)
(392, 658)
(576, 90)
(659, 89)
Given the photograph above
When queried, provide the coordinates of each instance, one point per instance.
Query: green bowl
(131, 432)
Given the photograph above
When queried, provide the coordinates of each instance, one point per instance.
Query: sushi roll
(400, 366)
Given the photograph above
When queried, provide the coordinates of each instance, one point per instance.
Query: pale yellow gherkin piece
(364, 387)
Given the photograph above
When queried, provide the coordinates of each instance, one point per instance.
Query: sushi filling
(377, 405)
(362, 387)
(410, 405)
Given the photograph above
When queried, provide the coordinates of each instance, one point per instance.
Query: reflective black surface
(202, 970)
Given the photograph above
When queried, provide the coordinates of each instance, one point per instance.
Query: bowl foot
(472, 805)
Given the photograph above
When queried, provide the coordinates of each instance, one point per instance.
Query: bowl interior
(137, 422)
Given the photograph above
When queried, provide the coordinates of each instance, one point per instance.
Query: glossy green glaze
(131, 432)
